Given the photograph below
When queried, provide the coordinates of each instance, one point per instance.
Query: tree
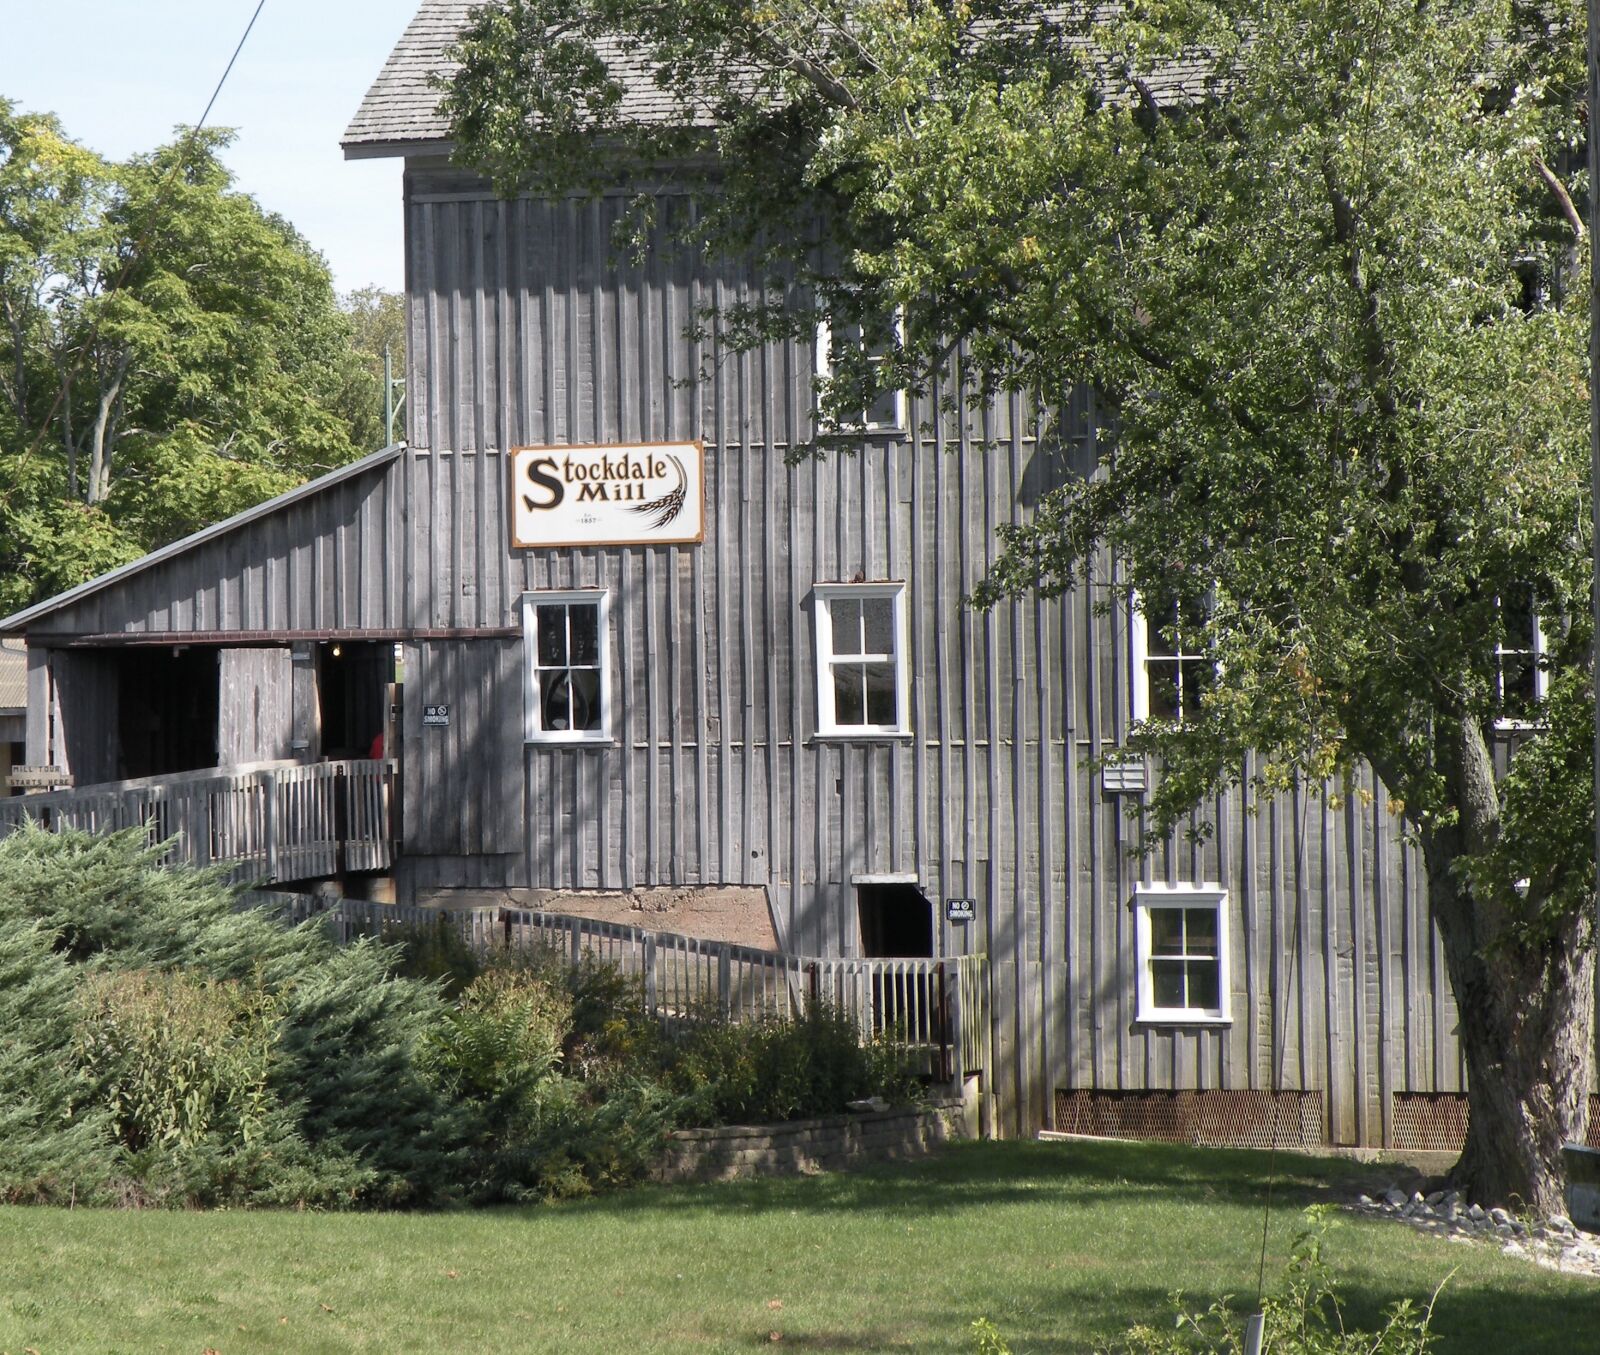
(377, 322)
(171, 353)
(1293, 244)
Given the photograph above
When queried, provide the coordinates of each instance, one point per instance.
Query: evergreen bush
(159, 1044)
(55, 1144)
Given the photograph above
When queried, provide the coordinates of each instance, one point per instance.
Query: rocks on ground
(1555, 1243)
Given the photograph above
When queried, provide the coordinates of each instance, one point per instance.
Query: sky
(121, 74)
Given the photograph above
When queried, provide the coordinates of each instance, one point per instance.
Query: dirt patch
(734, 913)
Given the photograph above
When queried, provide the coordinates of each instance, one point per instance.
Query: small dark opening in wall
(166, 711)
(352, 695)
(896, 920)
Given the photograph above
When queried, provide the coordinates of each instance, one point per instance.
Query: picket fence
(935, 1008)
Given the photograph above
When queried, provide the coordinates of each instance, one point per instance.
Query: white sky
(121, 74)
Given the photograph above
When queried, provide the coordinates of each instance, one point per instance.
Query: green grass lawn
(1061, 1245)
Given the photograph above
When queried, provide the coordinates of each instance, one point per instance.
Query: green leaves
(169, 354)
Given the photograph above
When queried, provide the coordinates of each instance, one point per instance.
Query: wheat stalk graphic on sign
(666, 509)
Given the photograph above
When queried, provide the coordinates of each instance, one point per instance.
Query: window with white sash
(863, 685)
(1181, 949)
(566, 637)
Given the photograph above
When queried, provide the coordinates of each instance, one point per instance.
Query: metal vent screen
(1437, 1121)
(1220, 1119)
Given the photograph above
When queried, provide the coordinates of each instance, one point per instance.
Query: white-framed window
(887, 411)
(863, 684)
(1181, 948)
(567, 674)
(1169, 662)
(1520, 677)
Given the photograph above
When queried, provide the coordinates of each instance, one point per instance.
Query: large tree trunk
(1525, 1003)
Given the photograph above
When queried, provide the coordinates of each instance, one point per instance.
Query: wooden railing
(269, 822)
(937, 1008)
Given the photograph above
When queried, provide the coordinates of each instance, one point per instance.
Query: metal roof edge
(18, 620)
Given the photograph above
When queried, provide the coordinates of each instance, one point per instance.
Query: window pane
(1166, 931)
(1201, 927)
(883, 412)
(846, 615)
(1516, 618)
(883, 707)
(555, 700)
(583, 620)
(1197, 676)
(1203, 985)
(1163, 632)
(550, 625)
(584, 686)
(1517, 690)
(1166, 983)
(849, 695)
(1161, 676)
(1173, 627)
(879, 616)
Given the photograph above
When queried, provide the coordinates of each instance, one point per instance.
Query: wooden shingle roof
(402, 106)
(401, 110)
(400, 113)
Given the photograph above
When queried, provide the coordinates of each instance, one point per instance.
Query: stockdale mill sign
(647, 494)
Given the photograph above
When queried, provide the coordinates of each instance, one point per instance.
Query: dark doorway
(353, 695)
(896, 920)
(166, 711)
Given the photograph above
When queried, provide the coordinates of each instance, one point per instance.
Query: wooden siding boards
(524, 330)
(318, 563)
(255, 706)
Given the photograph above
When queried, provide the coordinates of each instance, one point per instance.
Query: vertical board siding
(255, 706)
(322, 562)
(715, 776)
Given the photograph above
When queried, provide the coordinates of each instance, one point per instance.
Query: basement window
(1181, 944)
(567, 693)
(862, 683)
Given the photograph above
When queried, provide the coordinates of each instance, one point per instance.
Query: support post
(269, 821)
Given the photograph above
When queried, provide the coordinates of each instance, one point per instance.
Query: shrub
(55, 1144)
(160, 1045)
(609, 1026)
(348, 1115)
(594, 1136)
(434, 951)
(177, 1059)
(778, 1070)
(354, 1047)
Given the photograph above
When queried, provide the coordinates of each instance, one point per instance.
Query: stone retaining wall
(802, 1147)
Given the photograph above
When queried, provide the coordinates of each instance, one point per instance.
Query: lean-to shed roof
(31, 616)
(400, 113)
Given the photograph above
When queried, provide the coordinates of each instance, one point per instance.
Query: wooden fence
(270, 822)
(936, 1008)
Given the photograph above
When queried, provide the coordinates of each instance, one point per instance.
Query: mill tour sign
(645, 494)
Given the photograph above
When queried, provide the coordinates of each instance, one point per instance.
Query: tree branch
(1558, 190)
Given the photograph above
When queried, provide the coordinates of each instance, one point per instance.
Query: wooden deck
(270, 822)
